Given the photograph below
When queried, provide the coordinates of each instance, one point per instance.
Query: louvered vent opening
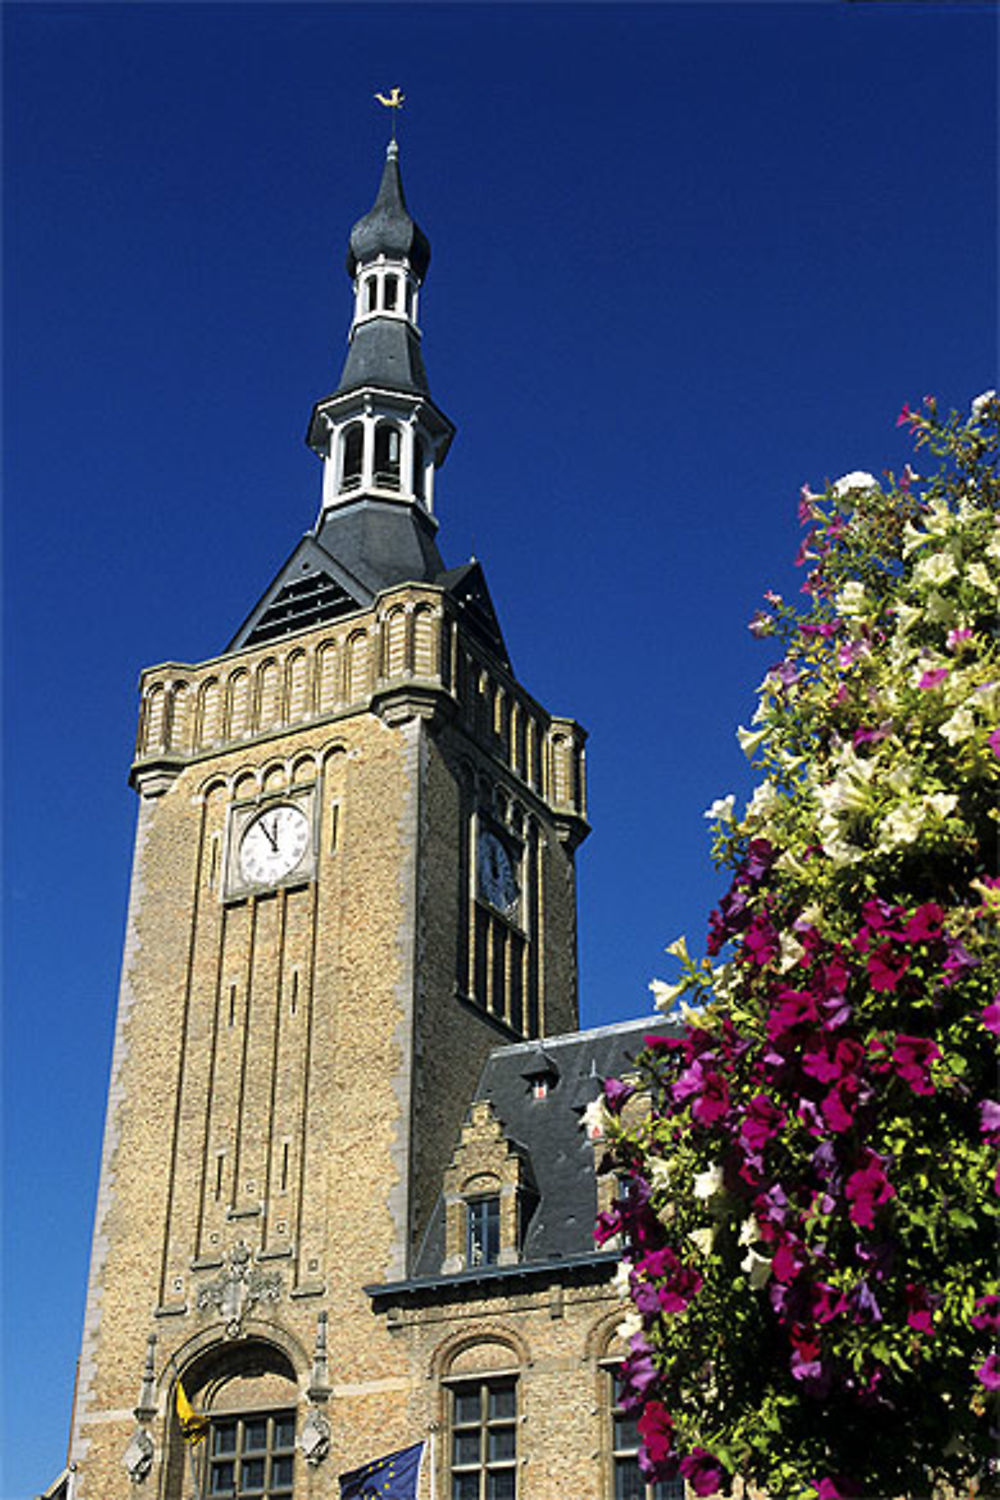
(311, 600)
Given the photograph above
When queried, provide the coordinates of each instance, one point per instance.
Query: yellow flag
(194, 1426)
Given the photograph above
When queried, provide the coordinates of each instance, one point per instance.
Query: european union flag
(391, 1478)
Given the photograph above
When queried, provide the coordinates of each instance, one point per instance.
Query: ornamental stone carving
(138, 1456)
(239, 1288)
(314, 1439)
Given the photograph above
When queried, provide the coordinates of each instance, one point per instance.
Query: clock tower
(353, 879)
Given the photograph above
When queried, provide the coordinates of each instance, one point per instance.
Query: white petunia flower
(907, 616)
(708, 1183)
(901, 826)
(703, 1239)
(852, 601)
(658, 1172)
(664, 995)
(792, 952)
(940, 804)
(980, 577)
(629, 1326)
(750, 739)
(939, 568)
(858, 479)
(721, 809)
(749, 1231)
(622, 1283)
(757, 1267)
(913, 538)
(980, 403)
(679, 949)
(960, 727)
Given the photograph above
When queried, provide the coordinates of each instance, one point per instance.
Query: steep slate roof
(549, 1131)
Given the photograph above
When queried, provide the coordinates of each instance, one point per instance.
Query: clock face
(274, 844)
(497, 876)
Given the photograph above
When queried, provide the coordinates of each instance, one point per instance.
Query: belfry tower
(353, 877)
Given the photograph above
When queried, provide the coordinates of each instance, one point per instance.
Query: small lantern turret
(380, 435)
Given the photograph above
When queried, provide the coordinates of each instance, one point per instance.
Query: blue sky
(685, 257)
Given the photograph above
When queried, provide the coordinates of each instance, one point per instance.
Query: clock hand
(272, 835)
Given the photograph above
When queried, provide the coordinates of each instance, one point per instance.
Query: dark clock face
(497, 876)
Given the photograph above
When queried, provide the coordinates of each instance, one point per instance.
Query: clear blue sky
(685, 258)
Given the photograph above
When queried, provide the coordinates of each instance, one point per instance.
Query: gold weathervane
(394, 101)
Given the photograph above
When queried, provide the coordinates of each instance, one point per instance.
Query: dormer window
(540, 1088)
(353, 457)
(387, 451)
(482, 1236)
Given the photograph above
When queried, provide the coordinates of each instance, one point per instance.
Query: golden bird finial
(394, 101)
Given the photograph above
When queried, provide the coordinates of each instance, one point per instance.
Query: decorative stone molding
(240, 1287)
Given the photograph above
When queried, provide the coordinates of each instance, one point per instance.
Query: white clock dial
(274, 844)
(497, 877)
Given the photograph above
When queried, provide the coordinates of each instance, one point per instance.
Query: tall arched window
(248, 1393)
(353, 456)
(387, 448)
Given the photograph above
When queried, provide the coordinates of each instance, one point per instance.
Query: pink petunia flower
(703, 1472)
(933, 678)
(913, 1056)
(867, 1189)
(990, 1016)
(656, 1428)
(988, 1373)
(994, 743)
(919, 1314)
(987, 1313)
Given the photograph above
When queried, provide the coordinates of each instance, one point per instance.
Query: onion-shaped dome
(387, 228)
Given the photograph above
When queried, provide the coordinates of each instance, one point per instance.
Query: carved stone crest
(138, 1456)
(314, 1439)
(239, 1287)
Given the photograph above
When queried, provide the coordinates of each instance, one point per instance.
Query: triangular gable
(310, 589)
(467, 586)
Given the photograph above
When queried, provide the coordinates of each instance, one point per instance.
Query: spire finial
(394, 101)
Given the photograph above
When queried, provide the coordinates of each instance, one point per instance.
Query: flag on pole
(194, 1427)
(393, 1477)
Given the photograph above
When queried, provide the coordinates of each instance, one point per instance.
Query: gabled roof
(550, 1133)
(357, 550)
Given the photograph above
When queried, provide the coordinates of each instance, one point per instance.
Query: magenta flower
(913, 1056)
(616, 1093)
(988, 1374)
(989, 1119)
(796, 1008)
(761, 1121)
(994, 743)
(957, 637)
(713, 1101)
(905, 416)
(656, 1428)
(919, 1314)
(886, 967)
(933, 678)
(867, 1189)
(704, 1473)
(989, 1317)
(990, 1016)
(835, 1487)
(608, 1224)
(925, 924)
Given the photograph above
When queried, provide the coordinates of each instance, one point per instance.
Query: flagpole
(433, 1465)
(195, 1491)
